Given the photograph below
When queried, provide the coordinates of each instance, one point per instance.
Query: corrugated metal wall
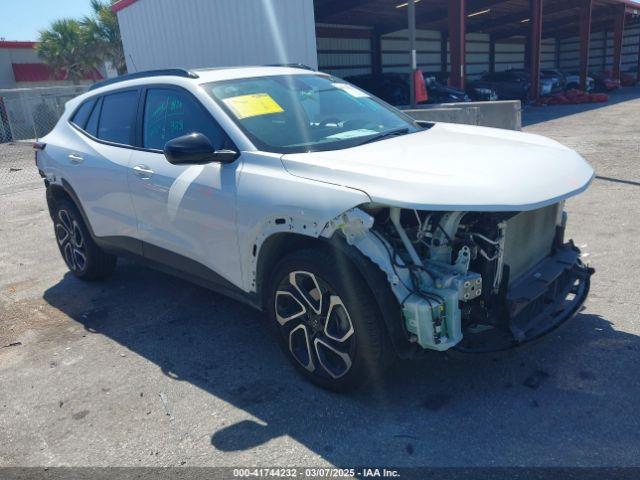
(352, 56)
(202, 33)
(395, 51)
(509, 55)
(351, 53)
(601, 50)
(343, 50)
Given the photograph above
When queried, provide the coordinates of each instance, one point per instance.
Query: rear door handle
(143, 171)
(75, 158)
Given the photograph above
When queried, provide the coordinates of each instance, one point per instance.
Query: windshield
(301, 113)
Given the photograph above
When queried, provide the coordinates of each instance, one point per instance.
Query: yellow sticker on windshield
(252, 105)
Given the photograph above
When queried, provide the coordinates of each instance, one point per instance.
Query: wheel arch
(278, 245)
(63, 190)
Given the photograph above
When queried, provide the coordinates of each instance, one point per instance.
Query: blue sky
(23, 19)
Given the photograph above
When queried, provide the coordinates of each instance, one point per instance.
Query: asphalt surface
(145, 369)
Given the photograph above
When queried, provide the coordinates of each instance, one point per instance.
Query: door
(96, 162)
(183, 211)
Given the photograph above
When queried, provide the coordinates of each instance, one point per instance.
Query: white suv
(363, 234)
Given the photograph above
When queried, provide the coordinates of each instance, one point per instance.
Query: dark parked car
(513, 84)
(476, 93)
(393, 88)
(440, 93)
(508, 85)
(389, 87)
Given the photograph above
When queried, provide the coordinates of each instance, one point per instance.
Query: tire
(81, 254)
(337, 338)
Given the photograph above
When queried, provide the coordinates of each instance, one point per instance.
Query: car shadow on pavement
(563, 394)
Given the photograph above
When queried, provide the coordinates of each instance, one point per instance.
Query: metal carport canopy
(501, 19)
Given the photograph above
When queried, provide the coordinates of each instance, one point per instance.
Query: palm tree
(62, 47)
(101, 33)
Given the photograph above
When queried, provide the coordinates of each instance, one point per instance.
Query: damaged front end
(474, 281)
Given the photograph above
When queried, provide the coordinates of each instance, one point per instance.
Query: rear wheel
(327, 320)
(81, 254)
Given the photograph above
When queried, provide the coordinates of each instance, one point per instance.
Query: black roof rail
(173, 72)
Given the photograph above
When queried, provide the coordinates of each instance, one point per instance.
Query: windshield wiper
(387, 134)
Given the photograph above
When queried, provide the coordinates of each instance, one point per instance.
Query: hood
(453, 167)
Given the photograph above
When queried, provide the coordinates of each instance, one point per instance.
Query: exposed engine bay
(476, 281)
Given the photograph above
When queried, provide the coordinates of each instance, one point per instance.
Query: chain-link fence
(29, 113)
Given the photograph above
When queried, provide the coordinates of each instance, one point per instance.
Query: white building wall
(6, 71)
(212, 33)
(8, 56)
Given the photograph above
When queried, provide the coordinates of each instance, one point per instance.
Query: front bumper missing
(536, 304)
(550, 294)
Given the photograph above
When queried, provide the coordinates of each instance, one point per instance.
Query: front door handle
(143, 171)
(74, 158)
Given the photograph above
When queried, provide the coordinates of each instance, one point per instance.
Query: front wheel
(327, 320)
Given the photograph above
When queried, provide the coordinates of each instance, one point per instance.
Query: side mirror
(195, 149)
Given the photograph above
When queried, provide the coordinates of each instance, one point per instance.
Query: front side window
(171, 113)
(299, 113)
(117, 117)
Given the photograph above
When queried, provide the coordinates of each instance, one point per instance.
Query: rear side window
(92, 124)
(82, 114)
(117, 117)
(171, 113)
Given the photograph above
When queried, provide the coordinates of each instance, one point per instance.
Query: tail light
(38, 147)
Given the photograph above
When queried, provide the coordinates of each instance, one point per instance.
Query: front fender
(272, 201)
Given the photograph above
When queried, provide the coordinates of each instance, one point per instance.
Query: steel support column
(492, 55)
(638, 68)
(618, 35)
(527, 50)
(444, 52)
(605, 50)
(376, 52)
(585, 41)
(413, 60)
(457, 30)
(535, 39)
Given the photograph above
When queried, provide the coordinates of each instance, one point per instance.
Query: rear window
(82, 114)
(117, 117)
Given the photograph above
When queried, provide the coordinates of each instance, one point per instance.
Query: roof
(39, 72)
(121, 4)
(203, 75)
(216, 74)
(17, 44)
